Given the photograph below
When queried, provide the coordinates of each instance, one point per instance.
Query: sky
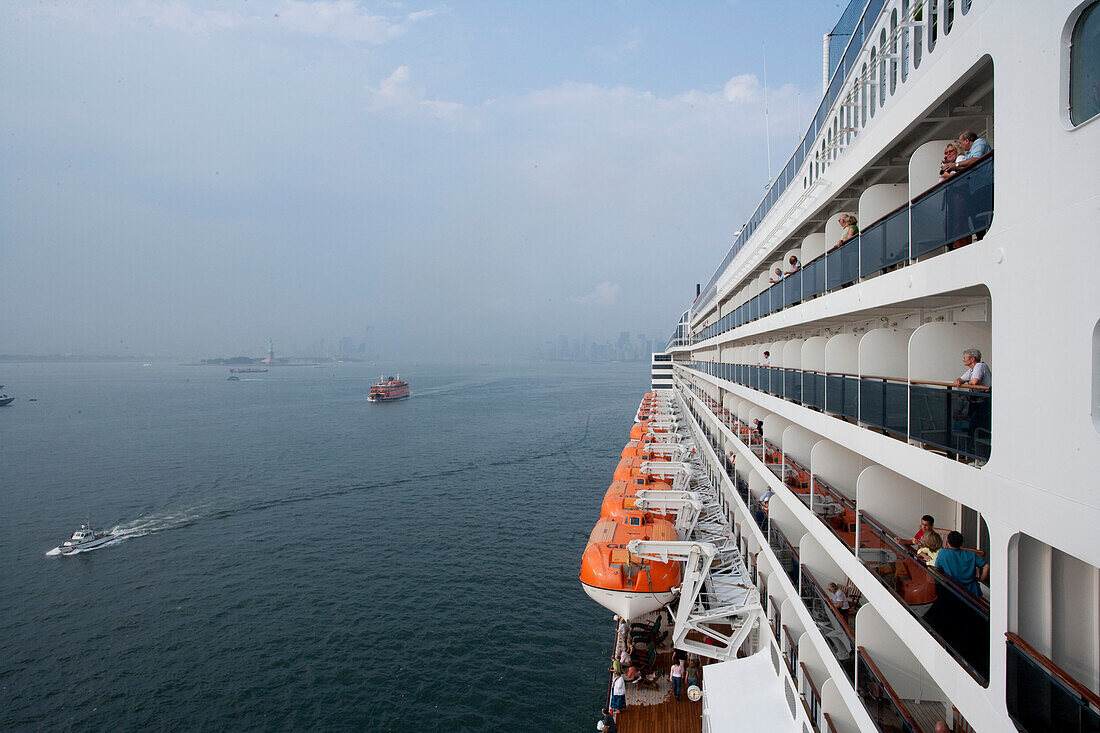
(470, 179)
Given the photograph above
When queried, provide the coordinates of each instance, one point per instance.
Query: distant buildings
(623, 349)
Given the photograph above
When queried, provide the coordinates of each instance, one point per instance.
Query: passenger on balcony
(759, 429)
(950, 154)
(963, 566)
(777, 275)
(795, 266)
(851, 230)
(973, 147)
(930, 545)
(926, 523)
(838, 598)
(767, 360)
(977, 372)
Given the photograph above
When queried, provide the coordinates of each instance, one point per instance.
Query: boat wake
(141, 527)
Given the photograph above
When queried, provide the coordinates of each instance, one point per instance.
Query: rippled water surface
(296, 558)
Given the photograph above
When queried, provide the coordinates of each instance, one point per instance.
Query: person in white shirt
(618, 695)
(977, 371)
(837, 597)
(767, 360)
(676, 674)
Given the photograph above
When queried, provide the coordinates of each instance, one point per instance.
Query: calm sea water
(296, 558)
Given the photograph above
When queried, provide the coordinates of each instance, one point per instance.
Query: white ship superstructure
(834, 387)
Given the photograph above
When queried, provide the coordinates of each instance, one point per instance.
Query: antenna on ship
(767, 127)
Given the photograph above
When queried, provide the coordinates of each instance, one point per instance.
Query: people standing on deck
(973, 147)
(618, 695)
(676, 674)
(951, 153)
(607, 724)
(794, 264)
(691, 674)
(851, 230)
(977, 406)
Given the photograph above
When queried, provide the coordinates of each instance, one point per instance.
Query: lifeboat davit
(625, 584)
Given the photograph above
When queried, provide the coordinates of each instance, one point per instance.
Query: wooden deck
(656, 710)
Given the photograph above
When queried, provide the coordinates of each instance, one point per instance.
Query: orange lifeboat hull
(627, 585)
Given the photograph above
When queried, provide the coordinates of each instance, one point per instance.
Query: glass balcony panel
(792, 289)
(884, 404)
(842, 396)
(813, 390)
(792, 385)
(957, 209)
(1039, 700)
(884, 244)
(956, 420)
(813, 278)
(959, 620)
(842, 265)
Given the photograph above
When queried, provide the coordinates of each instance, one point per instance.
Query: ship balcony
(1042, 696)
(952, 212)
(853, 499)
(937, 415)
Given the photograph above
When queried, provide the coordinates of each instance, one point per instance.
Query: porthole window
(1084, 66)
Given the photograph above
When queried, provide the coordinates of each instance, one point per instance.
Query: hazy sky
(192, 178)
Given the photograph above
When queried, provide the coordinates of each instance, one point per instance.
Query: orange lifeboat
(620, 495)
(628, 585)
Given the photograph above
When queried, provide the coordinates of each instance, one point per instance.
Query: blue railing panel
(959, 421)
(955, 210)
(842, 265)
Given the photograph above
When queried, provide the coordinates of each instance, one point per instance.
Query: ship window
(635, 521)
(1084, 66)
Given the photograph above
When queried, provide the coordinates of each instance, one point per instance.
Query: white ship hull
(628, 605)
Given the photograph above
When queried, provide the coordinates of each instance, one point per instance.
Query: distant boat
(388, 389)
(5, 400)
(247, 370)
(232, 378)
(82, 540)
(147, 364)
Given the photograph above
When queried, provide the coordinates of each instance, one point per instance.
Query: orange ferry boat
(388, 389)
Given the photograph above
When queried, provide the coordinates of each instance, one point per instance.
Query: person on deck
(977, 372)
(973, 148)
(618, 695)
(963, 566)
(794, 265)
(676, 674)
(926, 523)
(777, 275)
(851, 230)
(691, 675)
(930, 545)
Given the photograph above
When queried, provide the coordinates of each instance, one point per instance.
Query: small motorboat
(6, 400)
(232, 378)
(84, 539)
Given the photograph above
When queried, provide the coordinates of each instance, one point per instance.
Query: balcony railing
(1041, 696)
(883, 704)
(955, 419)
(956, 618)
(813, 697)
(951, 212)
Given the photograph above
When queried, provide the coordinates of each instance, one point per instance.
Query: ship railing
(951, 212)
(791, 655)
(952, 615)
(1042, 696)
(835, 510)
(811, 695)
(956, 419)
(884, 705)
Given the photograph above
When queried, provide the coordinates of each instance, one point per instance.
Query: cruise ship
(826, 383)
